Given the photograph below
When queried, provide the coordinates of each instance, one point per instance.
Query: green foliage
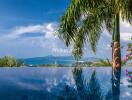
(102, 62)
(99, 63)
(123, 63)
(129, 54)
(82, 64)
(84, 21)
(130, 51)
(9, 61)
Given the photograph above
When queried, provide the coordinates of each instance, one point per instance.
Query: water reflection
(84, 90)
(130, 83)
(78, 83)
(116, 84)
(109, 95)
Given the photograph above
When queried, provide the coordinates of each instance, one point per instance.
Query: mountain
(65, 60)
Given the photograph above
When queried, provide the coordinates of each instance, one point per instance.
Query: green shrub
(9, 61)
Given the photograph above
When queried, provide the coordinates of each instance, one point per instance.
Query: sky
(27, 29)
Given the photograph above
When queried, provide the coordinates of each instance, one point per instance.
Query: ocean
(64, 60)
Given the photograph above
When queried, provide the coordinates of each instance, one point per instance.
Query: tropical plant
(102, 62)
(99, 63)
(129, 53)
(82, 64)
(9, 61)
(128, 57)
(106, 62)
(84, 20)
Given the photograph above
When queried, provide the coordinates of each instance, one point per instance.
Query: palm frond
(68, 25)
(126, 10)
(109, 19)
(97, 13)
(79, 43)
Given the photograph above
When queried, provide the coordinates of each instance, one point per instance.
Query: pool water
(60, 83)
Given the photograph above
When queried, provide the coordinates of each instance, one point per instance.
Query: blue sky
(27, 29)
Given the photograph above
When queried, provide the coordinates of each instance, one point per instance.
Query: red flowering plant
(128, 59)
(129, 53)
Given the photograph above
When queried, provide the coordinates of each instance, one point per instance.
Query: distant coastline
(67, 61)
(57, 61)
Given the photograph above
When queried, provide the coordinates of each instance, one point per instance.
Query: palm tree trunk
(116, 60)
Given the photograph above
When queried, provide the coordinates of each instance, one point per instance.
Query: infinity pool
(57, 83)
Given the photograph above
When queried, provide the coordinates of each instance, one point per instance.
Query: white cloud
(48, 41)
(18, 31)
(126, 36)
(48, 29)
(125, 29)
(26, 29)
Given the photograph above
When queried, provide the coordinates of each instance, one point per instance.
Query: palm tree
(85, 19)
